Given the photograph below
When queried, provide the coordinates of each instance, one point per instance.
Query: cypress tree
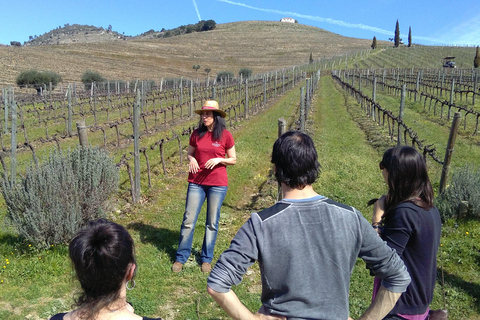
(397, 35)
(374, 43)
(409, 37)
(476, 61)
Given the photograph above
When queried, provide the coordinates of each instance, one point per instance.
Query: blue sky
(438, 22)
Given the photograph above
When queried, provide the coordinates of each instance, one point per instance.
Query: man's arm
(231, 304)
(235, 308)
(381, 306)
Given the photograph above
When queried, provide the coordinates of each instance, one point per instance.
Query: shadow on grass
(477, 258)
(472, 289)
(163, 239)
(261, 198)
(10, 239)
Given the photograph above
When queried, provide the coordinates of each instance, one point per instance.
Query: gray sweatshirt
(306, 250)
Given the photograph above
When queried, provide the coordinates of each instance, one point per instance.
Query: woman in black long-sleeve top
(410, 224)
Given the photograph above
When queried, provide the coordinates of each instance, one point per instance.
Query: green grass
(460, 254)
(37, 284)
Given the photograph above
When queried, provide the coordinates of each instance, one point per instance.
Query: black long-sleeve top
(415, 234)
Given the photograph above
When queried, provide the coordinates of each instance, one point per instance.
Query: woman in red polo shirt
(210, 150)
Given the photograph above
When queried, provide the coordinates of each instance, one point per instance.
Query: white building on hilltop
(289, 20)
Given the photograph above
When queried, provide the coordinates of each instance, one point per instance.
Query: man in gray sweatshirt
(306, 246)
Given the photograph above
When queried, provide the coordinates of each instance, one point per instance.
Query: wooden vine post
(5, 103)
(264, 90)
(69, 98)
(475, 83)
(293, 77)
(109, 98)
(448, 152)
(307, 97)
(275, 91)
(13, 160)
(282, 124)
(190, 113)
(452, 92)
(136, 147)
(181, 90)
(417, 85)
(82, 133)
(400, 114)
(245, 109)
(302, 109)
(374, 95)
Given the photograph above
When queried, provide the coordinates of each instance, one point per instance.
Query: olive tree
(226, 75)
(245, 73)
(89, 77)
(38, 79)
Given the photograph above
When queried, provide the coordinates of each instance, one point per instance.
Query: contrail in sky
(320, 19)
(196, 9)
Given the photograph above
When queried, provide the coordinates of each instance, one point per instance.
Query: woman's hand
(211, 163)
(378, 210)
(193, 165)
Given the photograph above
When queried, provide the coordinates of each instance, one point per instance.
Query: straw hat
(211, 105)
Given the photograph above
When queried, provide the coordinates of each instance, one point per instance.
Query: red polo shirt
(205, 149)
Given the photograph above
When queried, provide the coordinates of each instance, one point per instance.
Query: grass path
(350, 171)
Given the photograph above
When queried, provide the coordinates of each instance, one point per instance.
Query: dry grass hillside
(259, 45)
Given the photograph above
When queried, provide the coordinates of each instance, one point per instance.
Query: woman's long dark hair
(101, 255)
(407, 179)
(218, 126)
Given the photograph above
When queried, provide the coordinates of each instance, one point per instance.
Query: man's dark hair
(295, 159)
(101, 255)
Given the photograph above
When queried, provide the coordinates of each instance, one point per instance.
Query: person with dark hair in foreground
(306, 246)
(103, 256)
(409, 223)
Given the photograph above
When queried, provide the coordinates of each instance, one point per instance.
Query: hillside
(76, 33)
(259, 45)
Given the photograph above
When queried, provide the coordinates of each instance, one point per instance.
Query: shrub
(90, 76)
(38, 79)
(464, 189)
(208, 25)
(59, 197)
(245, 73)
(224, 75)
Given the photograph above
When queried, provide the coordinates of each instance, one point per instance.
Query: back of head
(407, 177)
(295, 159)
(101, 254)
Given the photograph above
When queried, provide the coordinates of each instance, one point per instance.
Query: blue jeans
(196, 195)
